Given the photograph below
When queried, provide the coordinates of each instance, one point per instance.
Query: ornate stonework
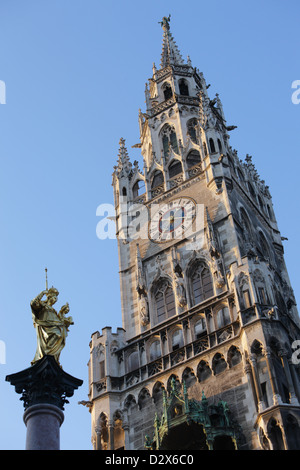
(202, 309)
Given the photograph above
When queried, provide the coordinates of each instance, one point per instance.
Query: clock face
(172, 220)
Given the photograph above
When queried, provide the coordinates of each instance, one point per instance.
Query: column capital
(44, 382)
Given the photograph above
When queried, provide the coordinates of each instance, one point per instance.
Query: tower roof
(170, 53)
(124, 165)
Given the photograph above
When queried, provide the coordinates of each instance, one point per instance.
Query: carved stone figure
(180, 289)
(143, 309)
(51, 327)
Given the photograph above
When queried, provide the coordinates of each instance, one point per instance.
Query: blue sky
(75, 74)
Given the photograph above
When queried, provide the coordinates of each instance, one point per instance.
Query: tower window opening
(262, 296)
(173, 141)
(263, 246)
(251, 190)
(193, 158)
(202, 286)
(168, 93)
(138, 188)
(165, 301)
(155, 350)
(102, 369)
(133, 361)
(269, 212)
(212, 146)
(246, 299)
(223, 317)
(241, 176)
(175, 169)
(183, 88)
(177, 340)
(246, 225)
(157, 180)
(200, 328)
(191, 129)
(169, 139)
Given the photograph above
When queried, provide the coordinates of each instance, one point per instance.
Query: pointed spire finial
(46, 270)
(124, 165)
(170, 52)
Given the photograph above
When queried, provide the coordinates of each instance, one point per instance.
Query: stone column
(260, 400)
(126, 436)
(286, 368)
(43, 427)
(249, 374)
(111, 430)
(98, 432)
(273, 380)
(295, 379)
(44, 388)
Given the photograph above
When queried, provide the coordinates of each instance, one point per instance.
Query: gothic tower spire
(207, 306)
(170, 53)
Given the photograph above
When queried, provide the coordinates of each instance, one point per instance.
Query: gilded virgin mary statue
(51, 327)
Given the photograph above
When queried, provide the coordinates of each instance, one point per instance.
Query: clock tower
(205, 358)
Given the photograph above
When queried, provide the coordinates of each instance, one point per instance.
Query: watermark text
(2, 352)
(2, 92)
(296, 93)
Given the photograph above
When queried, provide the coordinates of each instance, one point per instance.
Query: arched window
(269, 212)
(158, 178)
(203, 371)
(201, 283)
(173, 141)
(191, 128)
(246, 300)
(133, 361)
(241, 176)
(200, 328)
(218, 364)
(263, 245)
(183, 87)
(193, 158)
(175, 168)
(212, 145)
(169, 138)
(167, 91)
(177, 339)
(223, 317)
(138, 188)
(155, 351)
(231, 164)
(261, 205)
(220, 146)
(164, 301)
(234, 356)
(275, 435)
(251, 190)
(246, 223)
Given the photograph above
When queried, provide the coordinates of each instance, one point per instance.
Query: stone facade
(211, 310)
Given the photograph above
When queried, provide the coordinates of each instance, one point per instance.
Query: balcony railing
(172, 358)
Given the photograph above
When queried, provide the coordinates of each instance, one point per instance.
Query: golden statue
(51, 327)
